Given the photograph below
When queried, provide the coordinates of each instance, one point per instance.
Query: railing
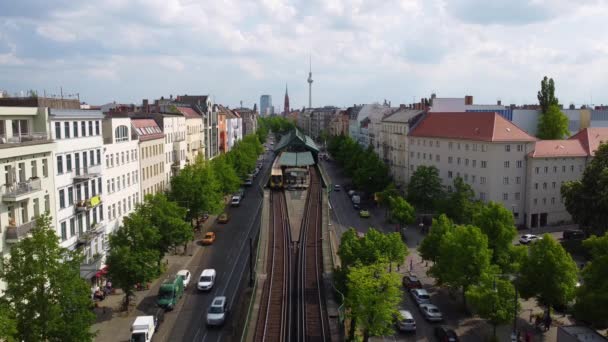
(18, 232)
(87, 172)
(21, 188)
(22, 138)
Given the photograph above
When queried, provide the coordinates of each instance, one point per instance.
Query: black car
(573, 235)
(445, 334)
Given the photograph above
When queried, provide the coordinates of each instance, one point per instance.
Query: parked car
(573, 235)
(420, 296)
(337, 187)
(445, 334)
(217, 312)
(249, 182)
(411, 282)
(236, 201)
(185, 274)
(223, 218)
(356, 206)
(351, 193)
(405, 321)
(206, 280)
(431, 312)
(209, 238)
(364, 213)
(527, 238)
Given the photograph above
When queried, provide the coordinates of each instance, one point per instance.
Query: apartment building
(174, 128)
(394, 143)
(79, 214)
(27, 186)
(222, 130)
(365, 124)
(151, 156)
(249, 119)
(122, 172)
(339, 123)
(234, 129)
(204, 106)
(194, 135)
(487, 151)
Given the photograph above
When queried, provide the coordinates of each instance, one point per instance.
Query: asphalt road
(229, 256)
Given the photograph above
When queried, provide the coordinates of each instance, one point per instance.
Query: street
(229, 256)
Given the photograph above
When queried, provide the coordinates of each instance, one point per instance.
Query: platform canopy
(296, 141)
(297, 159)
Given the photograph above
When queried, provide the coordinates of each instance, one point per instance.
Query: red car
(411, 282)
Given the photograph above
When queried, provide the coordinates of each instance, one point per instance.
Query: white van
(206, 280)
(142, 329)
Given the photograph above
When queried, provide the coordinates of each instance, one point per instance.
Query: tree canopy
(429, 248)
(424, 191)
(546, 94)
(548, 272)
(592, 296)
(586, 199)
(226, 174)
(197, 188)
(553, 124)
(497, 223)
(460, 204)
(373, 247)
(401, 211)
(47, 298)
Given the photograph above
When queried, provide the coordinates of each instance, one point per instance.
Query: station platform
(296, 203)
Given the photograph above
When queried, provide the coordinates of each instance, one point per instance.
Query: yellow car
(208, 239)
(364, 213)
(223, 218)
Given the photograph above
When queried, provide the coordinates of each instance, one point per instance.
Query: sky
(361, 51)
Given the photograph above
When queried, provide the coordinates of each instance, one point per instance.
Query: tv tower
(310, 83)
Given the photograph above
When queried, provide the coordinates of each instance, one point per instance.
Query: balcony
(21, 190)
(24, 139)
(15, 233)
(85, 205)
(86, 173)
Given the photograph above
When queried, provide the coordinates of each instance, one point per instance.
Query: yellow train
(276, 174)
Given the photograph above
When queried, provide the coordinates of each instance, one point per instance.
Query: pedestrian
(548, 321)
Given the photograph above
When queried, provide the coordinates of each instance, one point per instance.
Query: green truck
(171, 290)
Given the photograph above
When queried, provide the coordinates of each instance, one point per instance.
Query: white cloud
(56, 33)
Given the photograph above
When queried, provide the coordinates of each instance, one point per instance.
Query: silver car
(216, 314)
(405, 321)
(420, 296)
(431, 312)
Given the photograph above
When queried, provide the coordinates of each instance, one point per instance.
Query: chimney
(499, 103)
(171, 97)
(468, 100)
(145, 106)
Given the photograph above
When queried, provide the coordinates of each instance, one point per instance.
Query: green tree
(548, 272)
(553, 124)
(493, 299)
(460, 204)
(8, 326)
(585, 199)
(167, 218)
(133, 255)
(497, 223)
(424, 190)
(401, 211)
(371, 175)
(546, 94)
(592, 297)
(462, 259)
(373, 247)
(384, 196)
(429, 248)
(373, 298)
(48, 298)
(226, 175)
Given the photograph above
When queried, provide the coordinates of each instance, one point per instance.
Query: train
(276, 174)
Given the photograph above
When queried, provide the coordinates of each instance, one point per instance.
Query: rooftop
(189, 113)
(296, 159)
(591, 138)
(558, 148)
(402, 115)
(146, 129)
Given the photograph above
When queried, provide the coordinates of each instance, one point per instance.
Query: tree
(371, 248)
(497, 223)
(546, 95)
(226, 175)
(493, 299)
(401, 211)
(592, 297)
(429, 248)
(553, 124)
(48, 298)
(8, 326)
(585, 199)
(384, 196)
(133, 255)
(167, 218)
(462, 259)
(372, 299)
(424, 189)
(548, 272)
(460, 204)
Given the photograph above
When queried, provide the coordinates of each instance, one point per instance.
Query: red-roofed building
(151, 155)
(194, 135)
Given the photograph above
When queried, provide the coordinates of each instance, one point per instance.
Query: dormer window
(121, 133)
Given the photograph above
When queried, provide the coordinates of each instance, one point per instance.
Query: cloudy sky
(362, 50)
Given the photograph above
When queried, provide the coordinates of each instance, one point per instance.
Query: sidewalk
(112, 324)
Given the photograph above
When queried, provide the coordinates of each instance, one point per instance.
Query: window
(505, 196)
(474, 147)
(484, 164)
(59, 164)
(544, 200)
(99, 185)
(92, 157)
(98, 156)
(484, 148)
(70, 195)
(505, 180)
(34, 169)
(450, 160)
(458, 160)
(536, 186)
(75, 128)
(66, 129)
(564, 168)
(417, 155)
(121, 133)
(83, 128)
(555, 169)
(507, 148)
(553, 184)
(507, 163)
(519, 164)
(572, 168)
(517, 196)
(537, 170)
(482, 180)
(546, 169)
(437, 158)
(64, 231)
(535, 201)
(545, 186)
(90, 127)
(72, 226)
(466, 147)
(61, 199)
(128, 179)
(518, 180)
(68, 162)
(466, 162)
(482, 196)
(473, 179)
(113, 185)
(552, 200)
(411, 154)
(466, 177)
(108, 185)
(127, 156)
(97, 128)
(45, 168)
(474, 163)
(449, 174)
(122, 157)
(57, 130)
(450, 145)
(458, 144)
(123, 181)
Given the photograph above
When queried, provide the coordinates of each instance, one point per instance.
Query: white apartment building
(365, 123)
(121, 172)
(26, 173)
(234, 128)
(194, 137)
(174, 128)
(394, 141)
(79, 215)
(487, 151)
(151, 156)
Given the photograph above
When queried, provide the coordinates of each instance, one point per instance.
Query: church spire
(286, 108)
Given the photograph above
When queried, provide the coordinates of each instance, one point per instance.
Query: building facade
(194, 134)
(151, 156)
(339, 123)
(26, 170)
(122, 172)
(249, 120)
(265, 105)
(223, 131)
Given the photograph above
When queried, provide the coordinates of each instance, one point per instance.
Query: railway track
(312, 322)
(274, 318)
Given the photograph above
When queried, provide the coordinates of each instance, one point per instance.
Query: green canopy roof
(296, 159)
(297, 138)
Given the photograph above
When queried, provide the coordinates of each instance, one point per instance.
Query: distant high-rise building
(265, 105)
(286, 107)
